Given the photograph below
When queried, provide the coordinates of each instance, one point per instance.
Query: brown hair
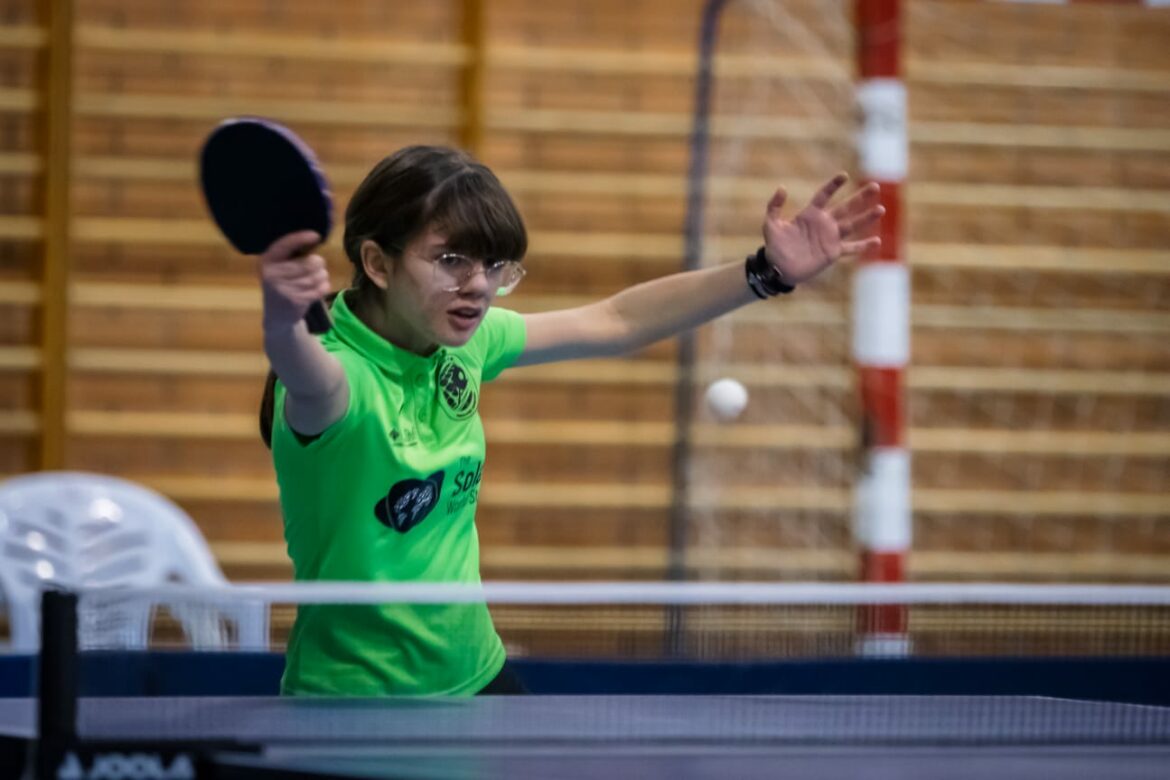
(409, 192)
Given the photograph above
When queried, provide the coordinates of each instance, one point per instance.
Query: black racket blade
(261, 182)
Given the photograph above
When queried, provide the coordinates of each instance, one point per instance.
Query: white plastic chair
(82, 530)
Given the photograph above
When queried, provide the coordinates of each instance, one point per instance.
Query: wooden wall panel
(179, 265)
(167, 393)
(1037, 219)
(984, 222)
(170, 142)
(1090, 33)
(1140, 169)
(156, 73)
(22, 203)
(1052, 407)
(1078, 351)
(1105, 289)
(428, 21)
(1041, 136)
(517, 397)
(18, 256)
(1056, 105)
(153, 329)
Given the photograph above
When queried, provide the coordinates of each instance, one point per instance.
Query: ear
(376, 264)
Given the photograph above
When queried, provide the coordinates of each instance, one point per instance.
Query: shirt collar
(351, 331)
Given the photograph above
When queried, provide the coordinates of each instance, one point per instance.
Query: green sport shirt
(388, 494)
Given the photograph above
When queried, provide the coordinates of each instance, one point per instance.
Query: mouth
(465, 317)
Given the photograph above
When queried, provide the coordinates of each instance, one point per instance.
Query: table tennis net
(664, 621)
(800, 633)
(614, 722)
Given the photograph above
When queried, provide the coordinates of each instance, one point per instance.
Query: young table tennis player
(374, 427)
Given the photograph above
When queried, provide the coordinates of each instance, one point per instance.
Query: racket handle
(318, 319)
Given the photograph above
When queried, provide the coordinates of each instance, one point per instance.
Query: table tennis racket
(261, 182)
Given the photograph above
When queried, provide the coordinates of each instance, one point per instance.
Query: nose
(476, 280)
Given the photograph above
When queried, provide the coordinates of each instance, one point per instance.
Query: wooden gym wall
(130, 339)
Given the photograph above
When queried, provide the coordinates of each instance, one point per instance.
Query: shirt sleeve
(285, 437)
(503, 334)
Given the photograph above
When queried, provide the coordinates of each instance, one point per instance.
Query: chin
(455, 339)
(455, 333)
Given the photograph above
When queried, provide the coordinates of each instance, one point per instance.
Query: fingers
(776, 202)
(826, 193)
(295, 275)
(860, 223)
(292, 244)
(290, 267)
(860, 247)
(866, 197)
(309, 283)
(299, 291)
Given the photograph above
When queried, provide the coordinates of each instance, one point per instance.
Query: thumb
(776, 202)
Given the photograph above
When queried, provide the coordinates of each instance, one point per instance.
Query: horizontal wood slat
(1009, 258)
(220, 43)
(20, 293)
(19, 422)
(583, 60)
(1038, 197)
(20, 163)
(19, 358)
(23, 36)
(19, 99)
(213, 109)
(1040, 502)
(21, 228)
(171, 297)
(167, 362)
(660, 434)
(1038, 136)
(1034, 76)
(1054, 382)
(582, 122)
(997, 318)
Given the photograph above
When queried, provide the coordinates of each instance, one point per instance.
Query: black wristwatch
(763, 278)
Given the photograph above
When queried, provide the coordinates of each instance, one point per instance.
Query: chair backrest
(75, 529)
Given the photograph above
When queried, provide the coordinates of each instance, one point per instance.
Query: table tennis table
(573, 737)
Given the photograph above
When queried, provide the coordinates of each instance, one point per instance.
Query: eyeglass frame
(470, 266)
(474, 266)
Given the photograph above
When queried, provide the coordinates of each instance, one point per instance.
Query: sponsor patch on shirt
(458, 392)
(409, 502)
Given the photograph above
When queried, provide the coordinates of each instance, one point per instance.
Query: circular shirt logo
(459, 394)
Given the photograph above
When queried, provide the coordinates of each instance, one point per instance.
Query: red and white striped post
(881, 330)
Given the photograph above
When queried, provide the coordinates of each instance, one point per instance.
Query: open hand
(811, 242)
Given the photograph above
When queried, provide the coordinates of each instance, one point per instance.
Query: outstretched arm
(318, 393)
(799, 249)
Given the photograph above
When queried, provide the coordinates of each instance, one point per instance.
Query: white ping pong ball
(726, 398)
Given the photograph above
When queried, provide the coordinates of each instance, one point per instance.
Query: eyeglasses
(454, 270)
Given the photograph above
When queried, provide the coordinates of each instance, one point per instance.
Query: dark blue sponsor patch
(409, 502)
